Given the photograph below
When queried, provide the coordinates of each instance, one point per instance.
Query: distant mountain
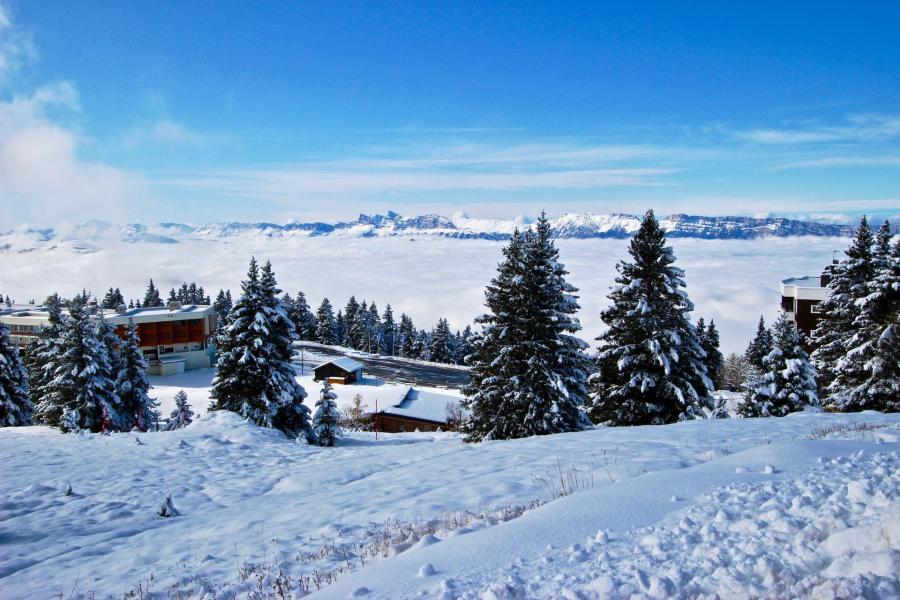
(90, 236)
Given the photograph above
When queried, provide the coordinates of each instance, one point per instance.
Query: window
(815, 309)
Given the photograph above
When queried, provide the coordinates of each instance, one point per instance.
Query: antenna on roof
(833, 259)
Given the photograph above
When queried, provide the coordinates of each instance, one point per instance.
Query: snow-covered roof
(807, 281)
(416, 404)
(808, 287)
(345, 362)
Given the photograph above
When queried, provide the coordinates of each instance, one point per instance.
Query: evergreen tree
(709, 342)
(16, 407)
(838, 312)
(303, 319)
(132, 384)
(113, 299)
(529, 372)
(440, 343)
(222, 307)
(79, 393)
(406, 333)
(465, 345)
(255, 377)
(326, 419)
(325, 325)
(388, 333)
(650, 363)
(173, 297)
(373, 330)
(151, 297)
(735, 372)
(351, 328)
(183, 415)
(340, 327)
(788, 381)
(41, 353)
(868, 375)
(420, 349)
(760, 346)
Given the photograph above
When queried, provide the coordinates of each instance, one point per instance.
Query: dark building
(340, 370)
(800, 297)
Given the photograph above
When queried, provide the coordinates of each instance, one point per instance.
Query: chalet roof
(427, 406)
(807, 281)
(345, 363)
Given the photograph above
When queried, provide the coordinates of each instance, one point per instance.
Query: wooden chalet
(342, 370)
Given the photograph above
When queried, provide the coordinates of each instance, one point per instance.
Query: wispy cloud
(865, 127)
(16, 47)
(841, 161)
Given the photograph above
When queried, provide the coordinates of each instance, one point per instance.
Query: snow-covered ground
(806, 505)
(732, 281)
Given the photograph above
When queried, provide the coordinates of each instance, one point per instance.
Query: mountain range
(87, 237)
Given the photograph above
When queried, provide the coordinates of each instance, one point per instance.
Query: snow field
(251, 502)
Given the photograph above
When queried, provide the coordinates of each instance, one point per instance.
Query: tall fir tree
(113, 299)
(440, 348)
(388, 340)
(326, 418)
(787, 382)
(650, 363)
(868, 375)
(837, 313)
(406, 337)
(303, 318)
(373, 330)
(16, 408)
(709, 342)
(222, 308)
(254, 375)
(40, 353)
(325, 325)
(80, 393)
(151, 296)
(760, 346)
(340, 327)
(351, 328)
(138, 409)
(529, 371)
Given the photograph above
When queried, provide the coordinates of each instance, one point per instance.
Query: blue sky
(201, 111)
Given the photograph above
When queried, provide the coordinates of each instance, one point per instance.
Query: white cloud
(16, 48)
(841, 161)
(866, 127)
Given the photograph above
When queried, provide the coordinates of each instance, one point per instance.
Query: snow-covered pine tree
(326, 419)
(837, 313)
(788, 381)
(222, 307)
(439, 344)
(558, 365)
(735, 371)
(760, 346)
(325, 325)
(388, 332)
(709, 342)
(351, 328)
(44, 349)
(868, 375)
(650, 364)
(173, 296)
(465, 346)
(340, 327)
(304, 320)
(16, 408)
(151, 296)
(373, 330)
(493, 360)
(112, 299)
(183, 415)
(420, 349)
(79, 393)
(254, 376)
(132, 384)
(406, 333)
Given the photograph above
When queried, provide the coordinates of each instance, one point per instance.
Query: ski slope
(747, 507)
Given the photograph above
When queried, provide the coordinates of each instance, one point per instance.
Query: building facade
(800, 297)
(173, 338)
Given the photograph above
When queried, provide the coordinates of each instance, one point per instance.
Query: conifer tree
(303, 318)
(138, 409)
(340, 327)
(183, 415)
(173, 297)
(439, 345)
(79, 393)
(709, 342)
(837, 314)
(529, 372)
(222, 308)
(760, 346)
(388, 340)
(351, 327)
(788, 381)
(650, 364)
(868, 375)
(112, 299)
(373, 330)
(406, 333)
(326, 419)
(420, 348)
(151, 297)
(325, 325)
(16, 408)
(254, 376)
(44, 350)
